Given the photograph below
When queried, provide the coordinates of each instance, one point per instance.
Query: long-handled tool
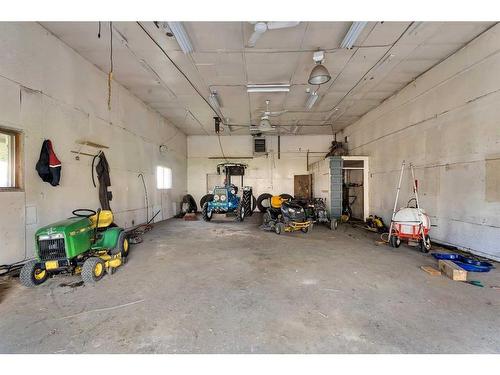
(396, 201)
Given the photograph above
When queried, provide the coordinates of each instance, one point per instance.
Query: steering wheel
(84, 212)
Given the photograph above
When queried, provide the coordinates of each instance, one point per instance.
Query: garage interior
(148, 119)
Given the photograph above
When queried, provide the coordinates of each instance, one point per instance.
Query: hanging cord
(221, 149)
(99, 30)
(110, 74)
(146, 196)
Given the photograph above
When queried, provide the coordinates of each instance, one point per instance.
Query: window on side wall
(10, 160)
(163, 178)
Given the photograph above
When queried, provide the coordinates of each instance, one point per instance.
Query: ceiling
(385, 58)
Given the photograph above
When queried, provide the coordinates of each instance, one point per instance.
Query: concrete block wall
(48, 91)
(447, 123)
(265, 173)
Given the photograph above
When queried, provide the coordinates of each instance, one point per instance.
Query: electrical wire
(179, 69)
(221, 149)
(110, 74)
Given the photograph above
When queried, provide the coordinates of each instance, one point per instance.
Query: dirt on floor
(228, 287)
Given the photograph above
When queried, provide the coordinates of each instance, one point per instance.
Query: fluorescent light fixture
(181, 36)
(215, 100)
(269, 88)
(353, 34)
(311, 100)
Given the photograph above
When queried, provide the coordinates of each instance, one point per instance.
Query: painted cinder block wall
(266, 173)
(49, 91)
(447, 123)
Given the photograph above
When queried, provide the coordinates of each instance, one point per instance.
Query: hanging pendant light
(319, 75)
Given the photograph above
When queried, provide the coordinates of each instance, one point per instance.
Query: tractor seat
(105, 219)
(276, 201)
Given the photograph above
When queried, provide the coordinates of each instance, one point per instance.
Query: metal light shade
(319, 75)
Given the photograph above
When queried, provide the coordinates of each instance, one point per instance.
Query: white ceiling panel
(222, 62)
(270, 67)
(385, 33)
(325, 35)
(215, 36)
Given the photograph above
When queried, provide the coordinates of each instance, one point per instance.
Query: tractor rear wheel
(123, 244)
(240, 211)
(207, 215)
(206, 198)
(93, 270)
(264, 202)
(32, 275)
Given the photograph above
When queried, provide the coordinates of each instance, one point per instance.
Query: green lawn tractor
(87, 243)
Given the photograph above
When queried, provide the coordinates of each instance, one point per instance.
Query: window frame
(18, 167)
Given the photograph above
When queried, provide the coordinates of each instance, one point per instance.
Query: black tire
(119, 244)
(279, 228)
(206, 198)
(192, 207)
(207, 216)
(248, 202)
(32, 275)
(266, 218)
(395, 241)
(425, 246)
(334, 224)
(286, 196)
(123, 245)
(93, 270)
(262, 198)
(307, 229)
(240, 211)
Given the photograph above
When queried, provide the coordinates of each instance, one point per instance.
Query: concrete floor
(226, 287)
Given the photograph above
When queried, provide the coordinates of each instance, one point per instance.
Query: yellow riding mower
(285, 216)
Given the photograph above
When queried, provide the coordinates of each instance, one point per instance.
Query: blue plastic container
(467, 264)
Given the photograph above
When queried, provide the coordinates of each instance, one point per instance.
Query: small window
(163, 178)
(10, 168)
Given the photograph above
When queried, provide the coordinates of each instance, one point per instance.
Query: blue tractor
(225, 199)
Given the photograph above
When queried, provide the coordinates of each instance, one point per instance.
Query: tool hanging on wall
(110, 74)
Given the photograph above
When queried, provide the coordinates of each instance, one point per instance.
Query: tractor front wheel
(93, 270)
(32, 275)
(207, 215)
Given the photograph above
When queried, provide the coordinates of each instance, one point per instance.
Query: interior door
(302, 186)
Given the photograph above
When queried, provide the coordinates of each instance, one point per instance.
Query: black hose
(146, 196)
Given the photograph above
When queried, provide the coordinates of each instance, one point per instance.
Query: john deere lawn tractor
(87, 243)
(224, 199)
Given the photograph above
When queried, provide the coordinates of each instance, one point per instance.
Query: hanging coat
(102, 169)
(48, 165)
